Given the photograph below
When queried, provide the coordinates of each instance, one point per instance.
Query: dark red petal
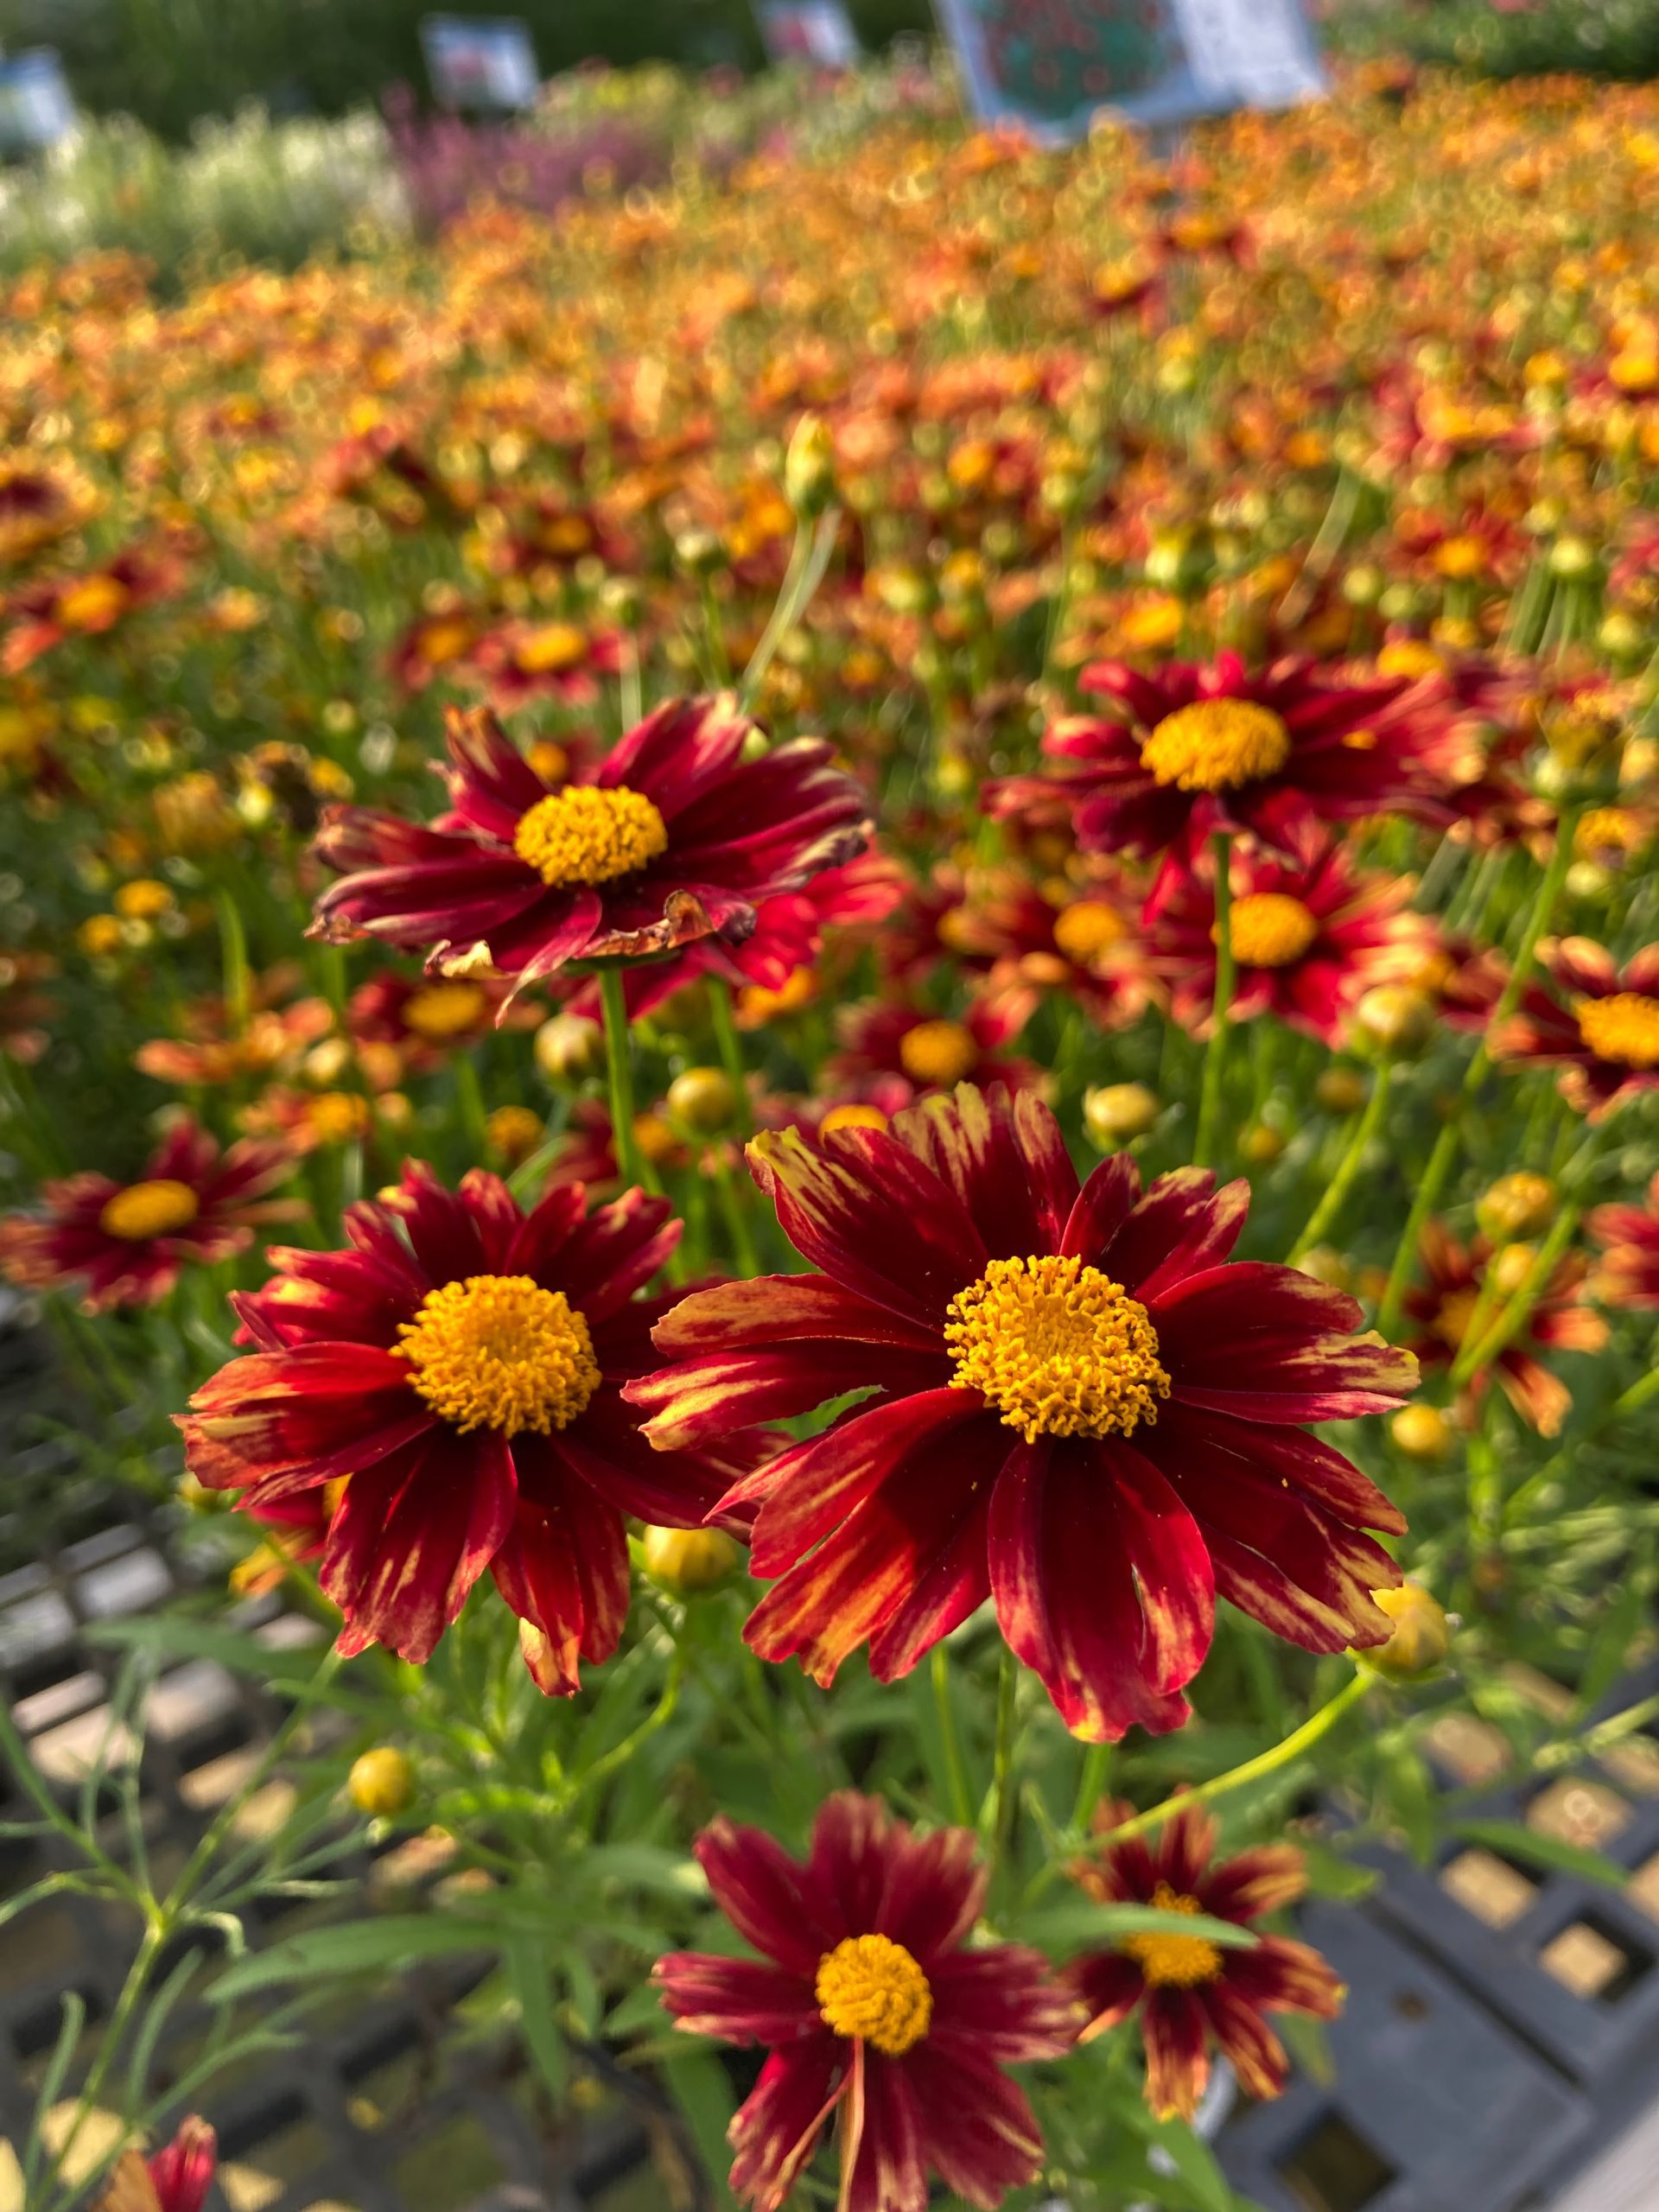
(1283, 1975)
(1178, 2064)
(563, 1569)
(1109, 1987)
(767, 1896)
(864, 1208)
(780, 1309)
(1003, 2001)
(776, 2130)
(1004, 1159)
(1102, 1206)
(700, 1400)
(410, 1539)
(881, 2138)
(978, 2132)
(1065, 1596)
(1182, 1223)
(1263, 1880)
(933, 1893)
(739, 2000)
(1256, 2054)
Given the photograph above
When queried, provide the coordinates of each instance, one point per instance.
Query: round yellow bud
(513, 1133)
(809, 468)
(1511, 1266)
(1327, 1265)
(382, 1782)
(1260, 1145)
(1421, 1639)
(688, 1561)
(1395, 1018)
(1341, 1091)
(1422, 1433)
(1520, 1205)
(703, 1100)
(568, 1046)
(1115, 1114)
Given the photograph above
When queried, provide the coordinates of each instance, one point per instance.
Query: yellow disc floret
(938, 1052)
(583, 835)
(145, 1210)
(1083, 932)
(870, 1987)
(1215, 745)
(1058, 1349)
(1624, 1027)
(1269, 929)
(498, 1351)
(1174, 1961)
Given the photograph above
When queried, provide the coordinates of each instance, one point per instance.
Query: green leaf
(1331, 1874)
(1515, 1840)
(705, 2097)
(1625, 1616)
(1193, 2161)
(531, 1981)
(356, 1947)
(1080, 1922)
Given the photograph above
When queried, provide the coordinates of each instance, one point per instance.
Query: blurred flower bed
(847, 970)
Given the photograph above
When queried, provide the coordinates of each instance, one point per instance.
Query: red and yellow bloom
(1082, 1411)
(1598, 1024)
(675, 836)
(1191, 1993)
(461, 1366)
(126, 1242)
(1628, 1273)
(873, 2012)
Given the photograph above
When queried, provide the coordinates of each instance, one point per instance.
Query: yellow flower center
(91, 603)
(338, 1116)
(146, 1210)
(1089, 928)
(584, 834)
(1624, 1027)
(498, 1351)
(552, 649)
(938, 1052)
(1058, 1348)
(1453, 1314)
(1269, 929)
(1215, 745)
(1609, 829)
(1174, 1961)
(870, 1987)
(445, 1010)
(853, 1116)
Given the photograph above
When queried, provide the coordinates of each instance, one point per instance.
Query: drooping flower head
(1310, 934)
(175, 2178)
(126, 1242)
(1192, 1993)
(1197, 749)
(1598, 1024)
(1081, 1411)
(877, 2018)
(461, 1368)
(675, 836)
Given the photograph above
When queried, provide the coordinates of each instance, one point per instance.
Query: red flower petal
(740, 2000)
(767, 1896)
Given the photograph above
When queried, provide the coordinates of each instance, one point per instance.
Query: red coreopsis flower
(42, 616)
(1628, 1273)
(521, 661)
(674, 837)
(1451, 1299)
(126, 1242)
(175, 2178)
(1309, 936)
(930, 1052)
(873, 2011)
(1189, 1990)
(1024, 944)
(1598, 1025)
(1082, 1413)
(1196, 749)
(428, 1017)
(462, 1365)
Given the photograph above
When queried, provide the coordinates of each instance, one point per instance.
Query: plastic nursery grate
(385, 2105)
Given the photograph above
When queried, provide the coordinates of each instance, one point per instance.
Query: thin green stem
(1405, 1252)
(1001, 1803)
(1091, 1784)
(1641, 1393)
(729, 1045)
(1299, 1740)
(1329, 1209)
(636, 1169)
(1475, 1358)
(1221, 848)
(955, 1773)
(807, 563)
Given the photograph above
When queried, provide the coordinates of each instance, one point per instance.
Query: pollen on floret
(938, 1053)
(1056, 1348)
(1174, 1961)
(1086, 929)
(445, 1009)
(1215, 745)
(498, 1351)
(584, 834)
(1269, 929)
(871, 1987)
(1624, 1027)
(160, 1208)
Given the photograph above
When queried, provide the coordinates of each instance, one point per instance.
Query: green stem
(1001, 1806)
(730, 1047)
(1627, 1402)
(1405, 1252)
(636, 1170)
(1091, 1784)
(1221, 848)
(1329, 1209)
(807, 563)
(1299, 1740)
(962, 1807)
(1475, 1358)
